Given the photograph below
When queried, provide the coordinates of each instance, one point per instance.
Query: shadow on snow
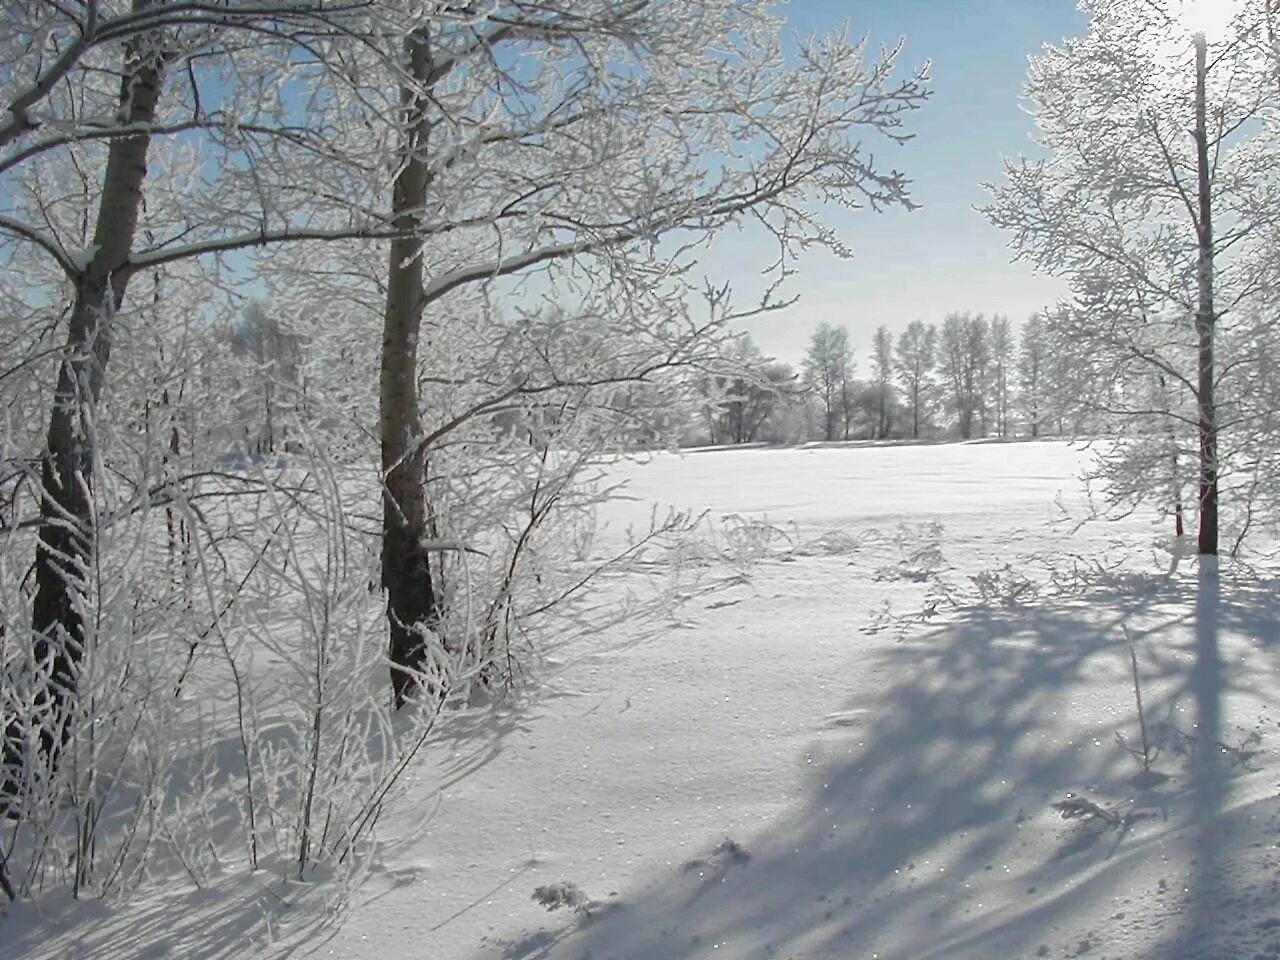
(927, 833)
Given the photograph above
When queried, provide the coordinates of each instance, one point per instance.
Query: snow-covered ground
(843, 742)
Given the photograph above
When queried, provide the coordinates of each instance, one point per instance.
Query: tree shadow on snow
(250, 917)
(928, 833)
(1221, 911)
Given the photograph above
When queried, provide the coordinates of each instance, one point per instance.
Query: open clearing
(841, 737)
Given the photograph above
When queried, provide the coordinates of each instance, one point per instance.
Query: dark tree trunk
(1175, 485)
(844, 406)
(66, 541)
(1205, 322)
(406, 568)
(964, 402)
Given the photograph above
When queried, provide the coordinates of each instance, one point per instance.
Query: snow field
(779, 767)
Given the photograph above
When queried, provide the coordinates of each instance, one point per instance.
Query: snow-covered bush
(234, 708)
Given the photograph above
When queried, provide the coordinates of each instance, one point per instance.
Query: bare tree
(1002, 346)
(67, 122)
(275, 359)
(1032, 360)
(963, 344)
(882, 368)
(828, 371)
(915, 359)
(533, 196)
(1126, 209)
(66, 536)
(741, 402)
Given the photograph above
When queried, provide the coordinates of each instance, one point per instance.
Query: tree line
(966, 378)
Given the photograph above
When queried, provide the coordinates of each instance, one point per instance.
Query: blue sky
(944, 256)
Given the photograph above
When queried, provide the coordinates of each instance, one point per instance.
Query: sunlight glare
(1208, 18)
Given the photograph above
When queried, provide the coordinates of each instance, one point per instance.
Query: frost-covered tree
(914, 361)
(271, 382)
(742, 402)
(1157, 202)
(1032, 362)
(828, 372)
(534, 133)
(1002, 349)
(882, 371)
(964, 349)
(103, 105)
(1078, 387)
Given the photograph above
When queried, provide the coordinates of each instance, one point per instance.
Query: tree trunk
(1175, 487)
(966, 419)
(844, 406)
(406, 569)
(67, 538)
(1205, 322)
